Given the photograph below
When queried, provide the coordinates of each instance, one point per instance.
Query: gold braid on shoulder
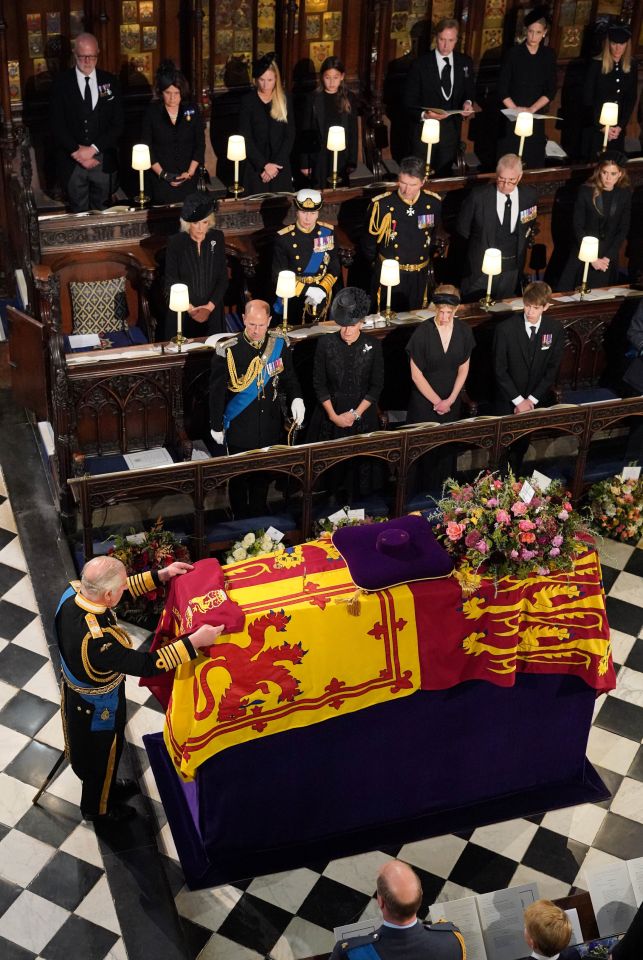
(254, 372)
(380, 228)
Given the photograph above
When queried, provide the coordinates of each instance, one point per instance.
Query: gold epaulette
(141, 583)
(381, 196)
(93, 626)
(430, 193)
(323, 223)
(285, 230)
(172, 655)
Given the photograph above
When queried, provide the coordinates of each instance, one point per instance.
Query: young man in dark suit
(443, 80)
(86, 125)
(500, 215)
(527, 353)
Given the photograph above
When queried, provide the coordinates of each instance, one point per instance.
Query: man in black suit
(500, 215)
(86, 124)
(402, 935)
(527, 353)
(443, 80)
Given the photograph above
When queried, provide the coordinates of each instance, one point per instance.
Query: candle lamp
(286, 286)
(335, 142)
(141, 161)
(588, 253)
(430, 135)
(492, 266)
(608, 118)
(524, 128)
(389, 277)
(179, 302)
(237, 153)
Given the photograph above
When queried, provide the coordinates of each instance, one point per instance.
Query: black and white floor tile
(55, 894)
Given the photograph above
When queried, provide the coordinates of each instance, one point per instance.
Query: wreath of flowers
(487, 523)
(617, 508)
(256, 544)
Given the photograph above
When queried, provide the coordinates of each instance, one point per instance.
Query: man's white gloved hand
(298, 410)
(315, 295)
(217, 436)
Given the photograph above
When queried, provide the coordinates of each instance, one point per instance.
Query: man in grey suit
(500, 215)
(86, 125)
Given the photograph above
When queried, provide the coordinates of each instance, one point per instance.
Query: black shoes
(117, 813)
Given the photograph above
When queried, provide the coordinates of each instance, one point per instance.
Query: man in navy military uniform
(402, 936)
(307, 247)
(95, 656)
(400, 227)
(86, 125)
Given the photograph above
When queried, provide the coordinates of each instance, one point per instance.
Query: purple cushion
(380, 555)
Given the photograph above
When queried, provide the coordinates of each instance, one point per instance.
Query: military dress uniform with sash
(312, 256)
(96, 654)
(247, 380)
(400, 230)
(422, 941)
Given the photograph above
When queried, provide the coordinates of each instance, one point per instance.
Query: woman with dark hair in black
(173, 130)
(332, 105)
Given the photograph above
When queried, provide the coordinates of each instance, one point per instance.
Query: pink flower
(481, 546)
(567, 506)
(514, 554)
(563, 515)
(455, 530)
(554, 552)
(527, 554)
(493, 502)
(527, 537)
(519, 509)
(526, 525)
(497, 484)
(557, 540)
(543, 571)
(472, 538)
(502, 517)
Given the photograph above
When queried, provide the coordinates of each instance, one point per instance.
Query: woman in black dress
(602, 209)
(196, 256)
(612, 78)
(332, 105)
(348, 377)
(439, 352)
(527, 83)
(267, 125)
(173, 130)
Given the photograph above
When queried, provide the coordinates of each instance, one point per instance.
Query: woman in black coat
(266, 123)
(173, 130)
(528, 83)
(348, 377)
(602, 210)
(332, 105)
(196, 256)
(611, 78)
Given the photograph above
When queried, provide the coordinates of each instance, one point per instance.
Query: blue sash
(312, 267)
(239, 401)
(103, 701)
(364, 952)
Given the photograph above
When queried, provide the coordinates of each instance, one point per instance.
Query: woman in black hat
(266, 123)
(173, 130)
(348, 377)
(331, 105)
(612, 78)
(196, 256)
(528, 83)
(602, 210)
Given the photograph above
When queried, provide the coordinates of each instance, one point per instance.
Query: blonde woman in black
(267, 125)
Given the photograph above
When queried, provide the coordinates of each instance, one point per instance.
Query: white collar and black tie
(445, 69)
(84, 86)
(531, 329)
(507, 202)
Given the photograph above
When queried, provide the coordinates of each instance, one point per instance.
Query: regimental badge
(426, 221)
(529, 214)
(275, 367)
(321, 244)
(189, 113)
(546, 340)
(105, 714)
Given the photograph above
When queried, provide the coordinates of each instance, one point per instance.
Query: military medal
(410, 211)
(393, 233)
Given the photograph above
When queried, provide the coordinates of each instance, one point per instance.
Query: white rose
(239, 553)
(248, 540)
(279, 548)
(266, 544)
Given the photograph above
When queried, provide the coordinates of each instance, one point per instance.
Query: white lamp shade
(236, 148)
(390, 273)
(141, 157)
(524, 124)
(609, 115)
(336, 139)
(492, 262)
(588, 249)
(430, 131)
(286, 283)
(179, 297)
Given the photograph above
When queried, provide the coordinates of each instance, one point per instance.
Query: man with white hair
(96, 654)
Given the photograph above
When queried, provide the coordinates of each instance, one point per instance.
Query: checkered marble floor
(55, 893)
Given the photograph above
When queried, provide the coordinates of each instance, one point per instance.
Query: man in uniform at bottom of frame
(96, 654)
